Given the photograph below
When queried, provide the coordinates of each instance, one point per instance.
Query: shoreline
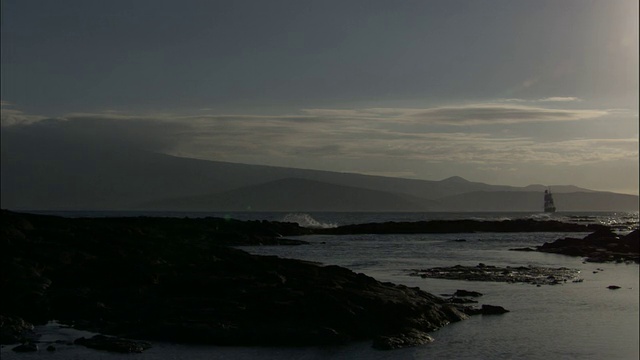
(163, 257)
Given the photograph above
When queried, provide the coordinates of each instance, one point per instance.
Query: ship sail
(549, 206)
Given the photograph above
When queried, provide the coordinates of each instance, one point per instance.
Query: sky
(503, 92)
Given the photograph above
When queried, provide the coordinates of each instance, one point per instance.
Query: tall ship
(549, 206)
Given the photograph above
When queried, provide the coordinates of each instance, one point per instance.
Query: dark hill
(533, 201)
(293, 194)
(44, 173)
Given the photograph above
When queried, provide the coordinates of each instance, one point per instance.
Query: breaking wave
(307, 221)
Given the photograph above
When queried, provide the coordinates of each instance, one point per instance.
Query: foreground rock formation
(172, 279)
(600, 246)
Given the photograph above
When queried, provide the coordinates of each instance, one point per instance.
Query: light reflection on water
(575, 320)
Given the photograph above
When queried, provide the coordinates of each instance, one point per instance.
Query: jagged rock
(113, 344)
(523, 274)
(173, 280)
(407, 339)
(601, 246)
(486, 310)
(523, 249)
(466, 293)
(13, 329)
(492, 310)
(28, 347)
(457, 300)
(459, 226)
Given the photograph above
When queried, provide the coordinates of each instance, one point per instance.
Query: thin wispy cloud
(486, 114)
(12, 117)
(560, 99)
(551, 99)
(467, 115)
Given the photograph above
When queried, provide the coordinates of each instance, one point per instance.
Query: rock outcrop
(601, 246)
(173, 279)
(460, 226)
(535, 275)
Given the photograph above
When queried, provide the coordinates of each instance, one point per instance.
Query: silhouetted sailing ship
(549, 206)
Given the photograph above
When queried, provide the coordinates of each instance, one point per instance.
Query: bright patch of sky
(504, 92)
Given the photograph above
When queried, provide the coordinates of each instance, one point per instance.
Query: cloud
(12, 117)
(462, 115)
(488, 114)
(547, 99)
(560, 99)
(370, 135)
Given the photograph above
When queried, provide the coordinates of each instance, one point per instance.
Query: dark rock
(613, 287)
(13, 329)
(601, 246)
(457, 300)
(466, 293)
(523, 249)
(459, 226)
(492, 310)
(113, 344)
(177, 280)
(522, 274)
(28, 347)
(407, 339)
(486, 310)
(51, 348)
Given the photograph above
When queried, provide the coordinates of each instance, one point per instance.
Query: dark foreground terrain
(177, 280)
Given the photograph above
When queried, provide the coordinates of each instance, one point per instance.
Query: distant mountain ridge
(38, 174)
(294, 194)
(532, 201)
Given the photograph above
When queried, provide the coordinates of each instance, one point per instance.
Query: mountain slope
(533, 201)
(39, 173)
(293, 194)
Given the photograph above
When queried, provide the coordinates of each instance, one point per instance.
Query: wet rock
(13, 329)
(113, 344)
(177, 280)
(523, 249)
(458, 226)
(613, 287)
(486, 310)
(457, 300)
(466, 293)
(598, 247)
(492, 310)
(51, 348)
(482, 272)
(407, 339)
(28, 347)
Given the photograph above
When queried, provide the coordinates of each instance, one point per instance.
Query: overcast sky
(503, 92)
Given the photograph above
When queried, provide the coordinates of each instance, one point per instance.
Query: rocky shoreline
(171, 279)
(601, 246)
(460, 226)
(180, 280)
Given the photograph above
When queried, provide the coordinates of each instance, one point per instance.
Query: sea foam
(307, 221)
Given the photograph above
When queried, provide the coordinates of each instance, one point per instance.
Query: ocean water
(582, 320)
(619, 221)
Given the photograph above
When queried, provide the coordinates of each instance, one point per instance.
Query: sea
(574, 320)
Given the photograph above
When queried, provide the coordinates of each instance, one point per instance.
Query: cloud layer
(371, 134)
